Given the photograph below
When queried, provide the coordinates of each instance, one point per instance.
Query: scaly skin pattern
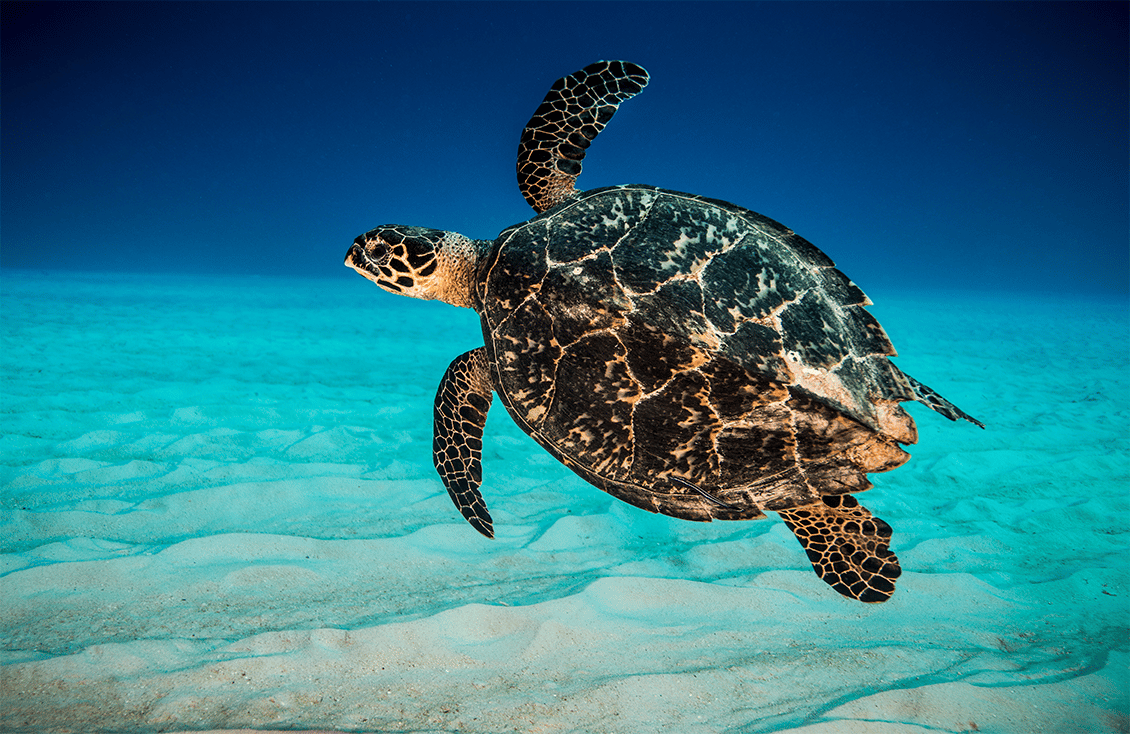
(847, 547)
(460, 415)
(574, 111)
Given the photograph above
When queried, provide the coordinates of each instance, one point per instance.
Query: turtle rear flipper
(575, 110)
(847, 546)
(461, 406)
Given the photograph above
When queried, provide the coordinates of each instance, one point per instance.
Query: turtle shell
(689, 356)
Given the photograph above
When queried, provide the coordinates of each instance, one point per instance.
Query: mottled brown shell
(651, 339)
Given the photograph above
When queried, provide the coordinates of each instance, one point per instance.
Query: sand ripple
(218, 510)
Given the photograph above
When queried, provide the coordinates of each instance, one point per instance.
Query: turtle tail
(847, 546)
(924, 394)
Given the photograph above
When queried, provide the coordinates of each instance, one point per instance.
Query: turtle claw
(683, 482)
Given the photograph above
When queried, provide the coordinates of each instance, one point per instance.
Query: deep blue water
(950, 145)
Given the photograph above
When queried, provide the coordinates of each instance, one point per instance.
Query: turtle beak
(356, 258)
(359, 261)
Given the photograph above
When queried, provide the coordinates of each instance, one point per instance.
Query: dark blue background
(925, 145)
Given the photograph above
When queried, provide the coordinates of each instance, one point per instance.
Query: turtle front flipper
(462, 402)
(847, 546)
(573, 113)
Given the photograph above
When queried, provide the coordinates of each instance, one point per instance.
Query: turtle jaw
(357, 259)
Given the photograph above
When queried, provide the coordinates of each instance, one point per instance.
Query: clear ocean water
(217, 504)
(218, 511)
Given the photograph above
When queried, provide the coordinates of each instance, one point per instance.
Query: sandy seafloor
(219, 511)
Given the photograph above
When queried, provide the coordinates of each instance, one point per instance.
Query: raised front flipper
(847, 546)
(462, 402)
(573, 113)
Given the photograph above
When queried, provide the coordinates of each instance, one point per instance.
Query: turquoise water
(218, 510)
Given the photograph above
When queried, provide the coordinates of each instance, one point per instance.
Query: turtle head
(418, 262)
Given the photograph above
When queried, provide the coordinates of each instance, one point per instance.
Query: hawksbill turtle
(683, 354)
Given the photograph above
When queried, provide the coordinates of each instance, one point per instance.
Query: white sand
(218, 511)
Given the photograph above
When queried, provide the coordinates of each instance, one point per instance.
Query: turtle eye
(374, 247)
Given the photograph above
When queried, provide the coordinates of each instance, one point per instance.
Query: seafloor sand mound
(219, 511)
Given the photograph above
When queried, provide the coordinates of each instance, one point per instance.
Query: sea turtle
(683, 354)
